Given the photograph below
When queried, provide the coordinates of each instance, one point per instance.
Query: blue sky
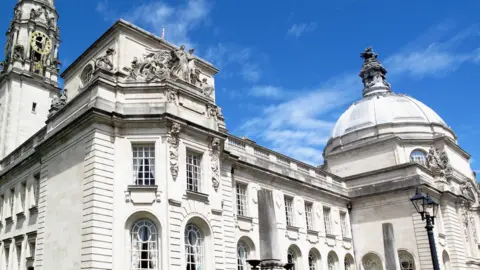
(288, 69)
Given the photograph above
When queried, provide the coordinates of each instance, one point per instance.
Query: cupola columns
(373, 74)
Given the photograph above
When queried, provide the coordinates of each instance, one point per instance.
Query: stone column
(389, 247)
(270, 250)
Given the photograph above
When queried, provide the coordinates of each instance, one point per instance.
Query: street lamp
(427, 207)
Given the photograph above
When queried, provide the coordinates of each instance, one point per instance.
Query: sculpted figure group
(164, 64)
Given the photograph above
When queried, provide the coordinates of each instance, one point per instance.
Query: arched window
(419, 157)
(446, 261)
(313, 259)
(194, 247)
(292, 258)
(348, 262)
(332, 261)
(242, 255)
(144, 245)
(406, 260)
(371, 261)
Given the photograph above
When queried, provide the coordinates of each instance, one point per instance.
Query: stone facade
(135, 169)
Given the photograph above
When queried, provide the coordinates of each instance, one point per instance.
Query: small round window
(418, 156)
(86, 75)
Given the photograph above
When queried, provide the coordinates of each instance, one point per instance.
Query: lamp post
(427, 207)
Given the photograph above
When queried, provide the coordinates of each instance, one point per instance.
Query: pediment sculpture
(470, 191)
(58, 102)
(438, 161)
(105, 61)
(169, 64)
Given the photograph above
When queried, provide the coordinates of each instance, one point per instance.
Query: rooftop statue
(373, 74)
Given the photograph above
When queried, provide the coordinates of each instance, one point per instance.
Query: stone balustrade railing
(250, 152)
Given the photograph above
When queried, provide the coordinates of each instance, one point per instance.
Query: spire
(373, 74)
(32, 40)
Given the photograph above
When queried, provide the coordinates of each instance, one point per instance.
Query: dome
(384, 108)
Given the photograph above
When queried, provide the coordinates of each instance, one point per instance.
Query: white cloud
(231, 56)
(427, 57)
(178, 20)
(297, 30)
(297, 126)
(268, 91)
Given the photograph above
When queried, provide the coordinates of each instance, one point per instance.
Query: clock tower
(29, 72)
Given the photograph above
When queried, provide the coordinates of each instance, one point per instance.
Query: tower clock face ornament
(40, 43)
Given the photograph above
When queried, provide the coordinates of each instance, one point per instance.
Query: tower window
(34, 107)
(418, 156)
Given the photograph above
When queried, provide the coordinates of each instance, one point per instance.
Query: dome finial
(373, 74)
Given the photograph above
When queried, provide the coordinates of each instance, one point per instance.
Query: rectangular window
(34, 107)
(144, 164)
(36, 188)
(23, 195)
(241, 200)
(2, 202)
(18, 248)
(309, 216)
(31, 247)
(289, 211)
(12, 201)
(194, 161)
(7, 257)
(343, 223)
(327, 220)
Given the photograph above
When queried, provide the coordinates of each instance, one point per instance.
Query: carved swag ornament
(164, 64)
(215, 162)
(106, 61)
(58, 102)
(173, 141)
(438, 161)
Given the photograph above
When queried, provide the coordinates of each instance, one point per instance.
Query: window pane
(241, 200)
(289, 211)
(144, 245)
(193, 172)
(144, 164)
(194, 254)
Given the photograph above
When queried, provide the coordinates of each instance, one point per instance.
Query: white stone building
(134, 167)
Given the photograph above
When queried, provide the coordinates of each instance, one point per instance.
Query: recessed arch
(419, 156)
(349, 262)
(143, 239)
(197, 241)
(332, 261)
(406, 260)
(314, 259)
(245, 251)
(294, 255)
(446, 261)
(372, 261)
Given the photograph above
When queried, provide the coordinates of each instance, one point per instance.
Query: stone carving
(279, 200)
(18, 52)
(36, 13)
(438, 161)
(215, 162)
(254, 194)
(174, 140)
(56, 64)
(17, 14)
(105, 61)
(467, 190)
(373, 74)
(153, 66)
(299, 206)
(164, 64)
(474, 230)
(464, 218)
(171, 96)
(58, 103)
(219, 113)
(212, 111)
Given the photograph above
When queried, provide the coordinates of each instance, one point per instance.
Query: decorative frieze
(215, 162)
(173, 141)
(105, 61)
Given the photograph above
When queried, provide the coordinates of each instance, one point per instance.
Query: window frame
(155, 241)
(309, 219)
(344, 224)
(241, 212)
(327, 220)
(413, 157)
(242, 262)
(144, 145)
(289, 211)
(199, 185)
(200, 247)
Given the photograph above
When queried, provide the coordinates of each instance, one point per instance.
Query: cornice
(31, 78)
(235, 160)
(388, 169)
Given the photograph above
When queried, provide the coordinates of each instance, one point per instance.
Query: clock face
(40, 43)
